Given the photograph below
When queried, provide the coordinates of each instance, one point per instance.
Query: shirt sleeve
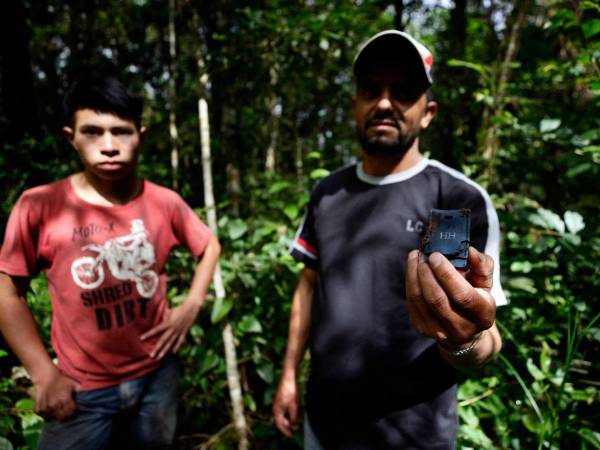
(304, 247)
(18, 255)
(189, 230)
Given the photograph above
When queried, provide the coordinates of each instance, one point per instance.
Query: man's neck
(381, 165)
(105, 192)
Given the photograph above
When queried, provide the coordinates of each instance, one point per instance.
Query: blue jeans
(311, 442)
(136, 414)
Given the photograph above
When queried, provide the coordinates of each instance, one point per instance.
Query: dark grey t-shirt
(374, 382)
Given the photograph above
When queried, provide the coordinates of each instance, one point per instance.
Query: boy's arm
(175, 326)
(53, 390)
(286, 405)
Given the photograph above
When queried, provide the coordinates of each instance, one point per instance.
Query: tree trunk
(173, 98)
(233, 375)
(399, 7)
(491, 141)
(17, 96)
(272, 105)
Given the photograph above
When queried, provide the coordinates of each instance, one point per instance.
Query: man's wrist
(194, 303)
(461, 349)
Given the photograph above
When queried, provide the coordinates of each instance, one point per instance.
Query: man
(387, 329)
(103, 237)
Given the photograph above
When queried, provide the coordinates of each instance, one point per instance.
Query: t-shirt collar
(393, 177)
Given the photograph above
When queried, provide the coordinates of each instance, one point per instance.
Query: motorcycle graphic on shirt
(128, 258)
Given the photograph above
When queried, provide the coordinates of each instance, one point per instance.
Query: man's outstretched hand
(447, 305)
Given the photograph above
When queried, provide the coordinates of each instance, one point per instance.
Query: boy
(103, 237)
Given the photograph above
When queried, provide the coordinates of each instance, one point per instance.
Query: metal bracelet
(466, 350)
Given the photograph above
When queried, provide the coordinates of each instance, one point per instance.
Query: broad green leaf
(589, 4)
(522, 283)
(5, 444)
(249, 324)
(31, 421)
(579, 169)
(318, 174)
(548, 219)
(573, 239)
(591, 27)
(278, 186)
(574, 222)
(208, 362)
(521, 266)
(249, 402)
(265, 371)
(547, 125)
(291, 211)
(545, 358)
(479, 68)
(25, 404)
(595, 332)
(236, 229)
(590, 436)
(531, 423)
(534, 370)
(220, 309)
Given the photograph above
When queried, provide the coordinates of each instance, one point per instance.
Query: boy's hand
(54, 396)
(173, 329)
(446, 305)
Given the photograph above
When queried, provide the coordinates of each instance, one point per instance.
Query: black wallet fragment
(448, 232)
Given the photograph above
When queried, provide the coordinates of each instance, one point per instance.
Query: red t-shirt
(106, 272)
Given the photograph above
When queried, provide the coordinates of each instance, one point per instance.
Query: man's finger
(435, 302)
(164, 338)
(462, 297)
(481, 269)
(155, 330)
(179, 343)
(283, 423)
(169, 344)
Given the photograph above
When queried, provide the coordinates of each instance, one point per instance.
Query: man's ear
(430, 111)
(68, 133)
(143, 132)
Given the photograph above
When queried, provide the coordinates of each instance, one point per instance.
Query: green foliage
(279, 75)
(541, 393)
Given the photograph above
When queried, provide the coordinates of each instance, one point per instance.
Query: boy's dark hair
(107, 95)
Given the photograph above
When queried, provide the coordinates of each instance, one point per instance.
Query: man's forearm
(299, 328)
(20, 330)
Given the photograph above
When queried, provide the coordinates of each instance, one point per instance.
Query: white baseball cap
(401, 45)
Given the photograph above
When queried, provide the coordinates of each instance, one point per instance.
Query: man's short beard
(376, 147)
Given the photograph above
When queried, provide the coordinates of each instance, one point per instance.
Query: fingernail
(413, 254)
(435, 259)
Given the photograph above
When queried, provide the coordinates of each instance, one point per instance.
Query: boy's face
(108, 145)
